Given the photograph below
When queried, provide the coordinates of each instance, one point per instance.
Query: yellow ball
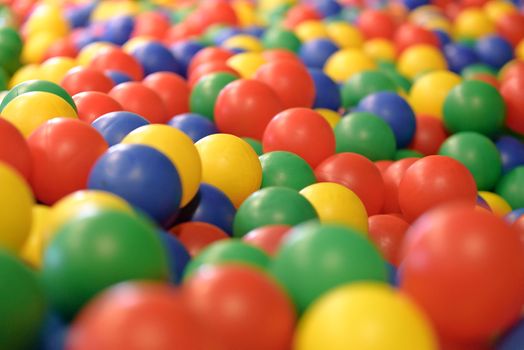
(418, 59)
(246, 13)
(473, 23)
(311, 30)
(519, 50)
(498, 8)
(47, 18)
(89, 51)
(266, 5)
(55, 69)
(498, 205)
(337, 204)
(30, 110)
(80, 203)
(36, 46)
(364, 316)
(25, 73)
(178, 147)
(380, 49)
(244, 42)
(246, 63)
(344, 63)
(108, 9)
(428, 93)
(330, 116)
(230, 164)
(344, 35)
(16, 202)
(438, 23)
(32, 251)
(422, 13)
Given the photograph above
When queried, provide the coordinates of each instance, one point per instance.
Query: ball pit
(271, 174)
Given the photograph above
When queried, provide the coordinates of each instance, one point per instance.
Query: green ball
(362, 84)
(255, 144)
(474, 106)
(276, 15)
(279, 38)
(22, 303)
(366, 134)
(400, 80)
(37, 85)
(4, 80)
(315, 258)
(407, 153)
(230, 251)
(474, 69)
(205, 92)
(96, 250)
(511, 187)
(478, 153)
(286, 169)
(272, 206)
(11, 40)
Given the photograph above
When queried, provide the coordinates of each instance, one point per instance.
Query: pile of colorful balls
(261, 175)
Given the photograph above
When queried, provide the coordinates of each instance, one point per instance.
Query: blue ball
(315, 53)
(514, 215)
(413, 4)
(141, 175)
(184, 52)
(511, 151)
(155, 57)
(215, 208)
(459, 56)
(327, 8)
(53, 333)
(443, 37)
(117, 77)
(78, 16)
(481, 202)
(393, 275)
(84, 38)
(494, 51)
(255, 31)
(118, 30)
(327, 92)
(177, 256)
(114, 126)
(395, 111)
(512, 339)
(193, 125)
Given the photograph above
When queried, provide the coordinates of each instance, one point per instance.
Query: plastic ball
(117, 30)
(155, 57)
(23, 316)
(494, 51)
(178, 147)
(380, 49)
(409, 34)
(496, 203)
(272, 206)
(474, 106)
(332, 117)
(436, 180)
(93, 104)
(209, 68)
(478, 153)
(512, 337)
(36, 46)
(54, 69)
(419, 59)
(286, 169)
(363, 84)
(293, 130)
(392, 176)
(428, 93)
(337, 68)
(14, 150)
(387, 233)
(247, 63)
(245, 107)
(510, 91)
(138, 98)
(193, 125)
(117, 77)
(209, 54)
(112, 58)
(511, 27)
(268, 238)
(510, 187)
(344, 35)
(460, 56)
(511, 152)
(376, 24)
(315, 53)
(114, 126)
(196, 236)
(82, 79)
(255, 145)
(429, 135)
(205, 93)
(395, 111)
(152, 24)
(327, 94)
(498, 261)
(120, 316)
(184, 52)
(473, 23)
(259, 302)
(25, 73)
(177, 255)
(366, 134)
(329, 252)
(358, 174)
(237, 172)
(311, 30)
(280, 38)
(244, 42)
(32, 250)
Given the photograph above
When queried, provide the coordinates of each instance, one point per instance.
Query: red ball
(151, 24)
(409, 34)
(136, 316)
(383, 165)
(376, 24)
(267, 238)
(511, 27)
(180, 32)
(465, 268)
(208, 55)
(207, 68)
(137, 98)
(217, 12)
(245, 107)
(300, 13)
(301, 131)
(61, 48)
(512, 69)
(172, 89)
(279, 54)
(80, 79)
(387, 232)
(14, 150)
(195, 236)
(392, 177)
(114, 58)
(511, 91)
(93, 104)
(290, 80)
(63, 151)
(357, 173)
(433, 181)
(241, 308)
(429, 135)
